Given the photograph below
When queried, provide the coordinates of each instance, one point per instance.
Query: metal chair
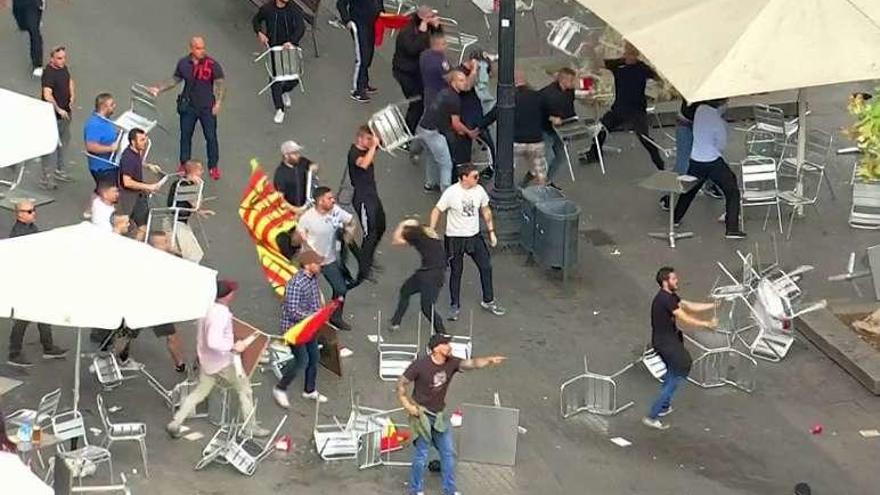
(107, 370)
(394, 359)
(337, 441)
(310, 8)
(400, 7)
(69, 425)
(123, 432)
(168, 218)
(760, 187)
(570, 36)
(41, 416)
(770, 134)
(722, 366)
(457, 41)
(120, 142)
(227, 434)
(591, 392)
(175, 396)
(386, 436)
(463, 345)
(798, 198)
(143, 113)
(389, 125)
(578, 137)
(817, 155)
(653, 363)
(278, 358)
(283, 64)
(246, 455)
(865, 210)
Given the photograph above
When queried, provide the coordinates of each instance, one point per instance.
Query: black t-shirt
(431, 381)
(363, 180)
(431, 250)
(130, 164)
(184, 214)
(291, 181)
(666, 338)
(556, 102)
(58, 80)
(438, 116)
(629, 84)
(199, 80)
(528, 117)
(687, 111)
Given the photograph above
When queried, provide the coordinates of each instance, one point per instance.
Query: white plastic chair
(69, 425)
(760, 187)
(283, 64)
(123, 432)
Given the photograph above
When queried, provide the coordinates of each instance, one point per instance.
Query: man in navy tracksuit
(360, 18)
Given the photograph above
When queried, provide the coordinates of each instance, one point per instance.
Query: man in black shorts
(367, 206)
(428, 279)
(160, 241)
(667, 310)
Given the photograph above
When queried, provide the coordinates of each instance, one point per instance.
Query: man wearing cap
(431, 376)
(302, 298)
(291, 177)
(216, 348)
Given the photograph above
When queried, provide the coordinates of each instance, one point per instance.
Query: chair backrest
(143, 103)
(865, 212)
(188, 192)
(570, 36)
(269, 446)
(400, 7)
(69, 425)
(769, 119)
(114, 157)
(102, 411)
(48, 407)
(284, 63)
(759, 174)
(818, 148)
(389, 125)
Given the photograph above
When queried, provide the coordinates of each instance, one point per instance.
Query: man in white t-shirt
(462, 202)
(319, 227)
(104, 205)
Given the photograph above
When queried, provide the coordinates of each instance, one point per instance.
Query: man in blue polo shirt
(101, 136)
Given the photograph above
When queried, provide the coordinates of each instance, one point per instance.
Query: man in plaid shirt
(302, 298)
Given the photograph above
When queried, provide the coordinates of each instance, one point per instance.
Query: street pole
(504, 196)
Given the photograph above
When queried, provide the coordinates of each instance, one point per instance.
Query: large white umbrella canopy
(722, 48)
(80, 276)
(27, 128)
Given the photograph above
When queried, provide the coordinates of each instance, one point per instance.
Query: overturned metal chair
(227, 434)
(394, 359)
(107, 370)
(722, 366)
(175, 396)
(777, 304)
(463, 345)
(591, 392)
(283, 64)
(389, 126)
(143, 112)
(278, 358)
(246, 454)
(337, 441)
(570, 36)
(376, 446)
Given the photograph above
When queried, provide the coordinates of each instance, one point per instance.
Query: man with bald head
(25, 224)
(200, 100)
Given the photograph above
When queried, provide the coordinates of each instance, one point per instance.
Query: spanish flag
(304, 330)
(265, 217)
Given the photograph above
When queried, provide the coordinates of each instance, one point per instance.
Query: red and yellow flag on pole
(304, 331)
(264, 215)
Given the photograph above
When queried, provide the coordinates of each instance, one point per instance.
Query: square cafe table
(673, 184)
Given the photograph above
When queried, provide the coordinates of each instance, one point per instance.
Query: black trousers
(476, 248)
(16, 337)
(411, 85)
(372, 217)
(718, 172)
(279, 89)
(28, 19)
(427, 284)
(363, 35)
(639, 122)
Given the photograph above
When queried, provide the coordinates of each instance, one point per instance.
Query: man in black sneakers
(367, 205)
(359, 16)
(667, 310)
(59, 89)
(280, 23)
(428, 279)
(707, 163)
(25, 217)
(557, 100)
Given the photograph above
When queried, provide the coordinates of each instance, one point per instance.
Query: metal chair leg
(779, 216)
(791, 222)
(143, 444)
(766, 218)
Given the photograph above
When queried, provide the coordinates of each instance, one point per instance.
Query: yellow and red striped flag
(264, 215)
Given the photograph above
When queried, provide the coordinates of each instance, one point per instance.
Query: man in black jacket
(557, 99)
(359, 16)
(411, 42)
(280, 23)
(25, 217)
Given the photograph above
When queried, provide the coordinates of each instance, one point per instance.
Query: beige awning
(721, 48)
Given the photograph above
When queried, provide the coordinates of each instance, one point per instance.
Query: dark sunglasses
(32, 210)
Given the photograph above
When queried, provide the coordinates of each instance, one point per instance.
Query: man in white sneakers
(461, 202)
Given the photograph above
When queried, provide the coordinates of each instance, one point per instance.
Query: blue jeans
(304, 356)
(554, 153)
(339, 278)
(438, 160)
(667, 390)
(443, 443)
(684, 141)
(208, 120)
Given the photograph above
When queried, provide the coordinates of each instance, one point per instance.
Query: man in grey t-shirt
(319, 228)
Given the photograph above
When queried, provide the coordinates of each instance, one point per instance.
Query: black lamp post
(504, 196)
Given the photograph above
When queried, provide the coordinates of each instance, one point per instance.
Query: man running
(367, 205)
(666, 310)
(428, 279)
(431, 375)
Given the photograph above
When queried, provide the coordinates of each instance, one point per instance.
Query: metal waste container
(556, 233)
(532, 196)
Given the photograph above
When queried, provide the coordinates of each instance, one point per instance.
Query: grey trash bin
(556, 233)
(532, 196)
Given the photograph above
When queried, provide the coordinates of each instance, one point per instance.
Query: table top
(8, 384)
(46, 440)
(668, 181)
